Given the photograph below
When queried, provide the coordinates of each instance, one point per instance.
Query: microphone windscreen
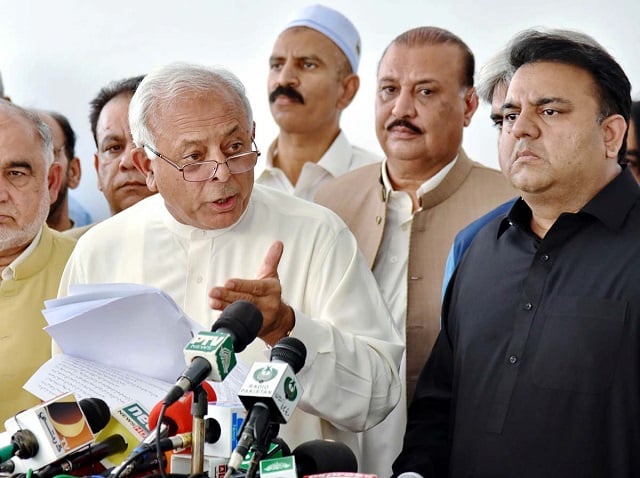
(324, 456)
(97, 413)
(290, 350)
(243, 319)
(213, 430)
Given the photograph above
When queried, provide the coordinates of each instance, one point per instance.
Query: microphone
(324, 456)
(85, 457)
(96, 412)
(178, 415)
(274, 383)
(177, 421)
(211, 354)
(24, 444)
(270, 393)
(132, 422)
(146, 452)
(51, 430)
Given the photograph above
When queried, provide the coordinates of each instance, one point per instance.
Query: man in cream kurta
(191, 249)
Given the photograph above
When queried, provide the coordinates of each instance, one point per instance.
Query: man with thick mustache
(312, 79)
(406, 212)
(211, 237)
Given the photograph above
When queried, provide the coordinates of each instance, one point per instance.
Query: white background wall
(58, 54)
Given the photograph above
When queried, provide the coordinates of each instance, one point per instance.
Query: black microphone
(97, 413)
(90, 455)
(145, 453)
(270, 393)
(211, 354)
(324, 456)
(274, 383)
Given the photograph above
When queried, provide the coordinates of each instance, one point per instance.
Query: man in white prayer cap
(312, 79)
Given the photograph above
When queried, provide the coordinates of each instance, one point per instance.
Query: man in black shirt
(536, 371)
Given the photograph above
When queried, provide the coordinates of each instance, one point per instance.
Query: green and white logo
(264, 374)
(277, 466)
(290, 389)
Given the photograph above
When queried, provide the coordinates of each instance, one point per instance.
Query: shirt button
(513, 359)
(199, 280)
(528, 306)
(394, 259)
(544, 257)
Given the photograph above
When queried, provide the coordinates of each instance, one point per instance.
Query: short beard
(12, 239)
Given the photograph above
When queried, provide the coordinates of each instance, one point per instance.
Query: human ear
(74, 173)
(614, 128)
(54, 180)
(143, 164)
(350, 85)
(470, 105)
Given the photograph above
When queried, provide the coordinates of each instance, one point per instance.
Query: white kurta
(350, 378)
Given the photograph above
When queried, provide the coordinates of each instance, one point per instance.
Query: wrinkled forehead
(213, 113)
(114, 114)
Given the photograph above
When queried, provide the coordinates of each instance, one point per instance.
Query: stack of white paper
(121, 343)
(126, 326)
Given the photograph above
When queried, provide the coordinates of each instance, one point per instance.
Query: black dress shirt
(536, 372)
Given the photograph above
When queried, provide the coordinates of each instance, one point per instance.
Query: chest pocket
(579, 344)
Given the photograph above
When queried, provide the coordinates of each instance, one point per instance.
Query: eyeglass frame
(226, 162)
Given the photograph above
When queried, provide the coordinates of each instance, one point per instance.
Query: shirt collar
(610, 205)
(336, 160)
(425, 187)
(9, 272)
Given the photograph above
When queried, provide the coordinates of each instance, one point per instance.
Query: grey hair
(498, 70)
(42, 128)
(170, 82)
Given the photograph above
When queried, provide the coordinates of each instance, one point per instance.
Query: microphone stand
(261, 446)
(199, 408)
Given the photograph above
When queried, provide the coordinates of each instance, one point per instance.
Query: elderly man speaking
(212, 237)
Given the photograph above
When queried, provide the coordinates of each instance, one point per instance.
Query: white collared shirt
(390, 268)
(9, 272)
(382, 444)
(340, 158)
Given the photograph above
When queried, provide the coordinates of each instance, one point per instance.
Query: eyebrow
(421, 81)
(539, 102)
(111, 137)
(297, 57)
(19, 164)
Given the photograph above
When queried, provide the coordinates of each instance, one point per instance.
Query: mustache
(404, 123)
(288, 92)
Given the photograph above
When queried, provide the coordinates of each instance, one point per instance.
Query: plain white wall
(57, 55)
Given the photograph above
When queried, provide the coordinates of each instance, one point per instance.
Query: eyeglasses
(205, 170)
